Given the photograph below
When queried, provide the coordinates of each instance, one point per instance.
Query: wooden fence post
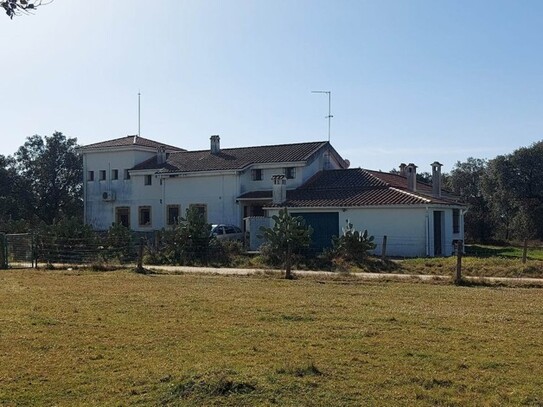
(458, 276)
(525, 251)
(384, 251)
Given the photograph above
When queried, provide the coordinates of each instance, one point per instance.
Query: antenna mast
(329, 117)
(139, 114)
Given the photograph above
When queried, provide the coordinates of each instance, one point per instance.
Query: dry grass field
(120, 338)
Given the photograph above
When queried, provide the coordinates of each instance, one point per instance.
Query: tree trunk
(288, 272)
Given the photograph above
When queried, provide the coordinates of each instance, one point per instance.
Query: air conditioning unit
(108, 196)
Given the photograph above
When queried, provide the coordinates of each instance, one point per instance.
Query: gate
(17, 251)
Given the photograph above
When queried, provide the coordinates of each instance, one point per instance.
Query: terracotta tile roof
(129, 141)
(235, 158)
(400, 182)
(358, 187)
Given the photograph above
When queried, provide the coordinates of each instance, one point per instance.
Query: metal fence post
(384, 251)
(3, 251)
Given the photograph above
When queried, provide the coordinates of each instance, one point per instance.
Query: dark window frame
(170, 218)
(456, 220)
(256, 174)
(144, 216)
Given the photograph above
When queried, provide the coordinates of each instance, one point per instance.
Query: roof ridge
(260, 146)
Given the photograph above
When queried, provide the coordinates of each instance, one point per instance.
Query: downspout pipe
(427, 232)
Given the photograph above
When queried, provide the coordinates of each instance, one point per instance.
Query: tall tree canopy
(51, 171)
(514, 186)
(465, 180)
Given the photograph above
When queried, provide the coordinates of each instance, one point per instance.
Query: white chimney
(215, 144)
(161, 155)
(402, 169)
(411, 173)
(279, 192)
(436, 179)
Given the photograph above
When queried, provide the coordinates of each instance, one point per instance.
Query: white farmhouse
(146, 186)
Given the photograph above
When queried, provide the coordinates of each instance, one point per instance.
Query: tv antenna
(329, 117)
(139, 114)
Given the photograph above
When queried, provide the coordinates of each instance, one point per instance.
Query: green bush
(353, 246)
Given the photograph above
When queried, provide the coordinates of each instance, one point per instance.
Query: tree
(9, 208)
(288, 235)
(515, 184)
(465, 180)
(50, 171)
(17, 7)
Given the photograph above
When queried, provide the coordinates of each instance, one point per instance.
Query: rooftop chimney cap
(215, 144)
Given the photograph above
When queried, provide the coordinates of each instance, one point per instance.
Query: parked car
(226, 232)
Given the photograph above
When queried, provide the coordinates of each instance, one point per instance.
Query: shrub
(352, 246)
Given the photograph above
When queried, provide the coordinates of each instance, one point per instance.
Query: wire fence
(30, 250)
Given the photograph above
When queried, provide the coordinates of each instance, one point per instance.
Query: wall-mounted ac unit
(108, 196)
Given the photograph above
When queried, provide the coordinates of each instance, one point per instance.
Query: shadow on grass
(476, 250)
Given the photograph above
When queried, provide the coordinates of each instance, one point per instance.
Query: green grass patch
(121, 338)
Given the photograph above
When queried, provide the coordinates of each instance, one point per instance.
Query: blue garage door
(324, 224)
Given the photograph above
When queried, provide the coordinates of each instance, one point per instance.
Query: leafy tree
(17, 7)
(515, 184)
(465, 180)
(50, 172)
(9, 207)
(288, 235)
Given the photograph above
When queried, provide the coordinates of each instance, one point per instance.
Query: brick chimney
(279, 192)
(215, 144)
(436, 179)
(411, 173)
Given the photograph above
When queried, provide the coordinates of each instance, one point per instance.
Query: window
(456, 220)
(114, 174)
(126, 174)
(148, 179)
(202, 209)
(173, 214)
(102, 175)
(90, 176)
(290, 172)
(256, 174)
(145, 216)
(122, 216)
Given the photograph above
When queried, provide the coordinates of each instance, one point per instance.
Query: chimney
(215, 144)
(436, 179)
(411, 173)
(161, 155)
(279, 192)
(402, 170)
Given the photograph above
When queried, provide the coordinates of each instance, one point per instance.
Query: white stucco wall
(409, 229)
(218, 192)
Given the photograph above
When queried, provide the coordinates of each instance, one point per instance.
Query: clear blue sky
(411, 81)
